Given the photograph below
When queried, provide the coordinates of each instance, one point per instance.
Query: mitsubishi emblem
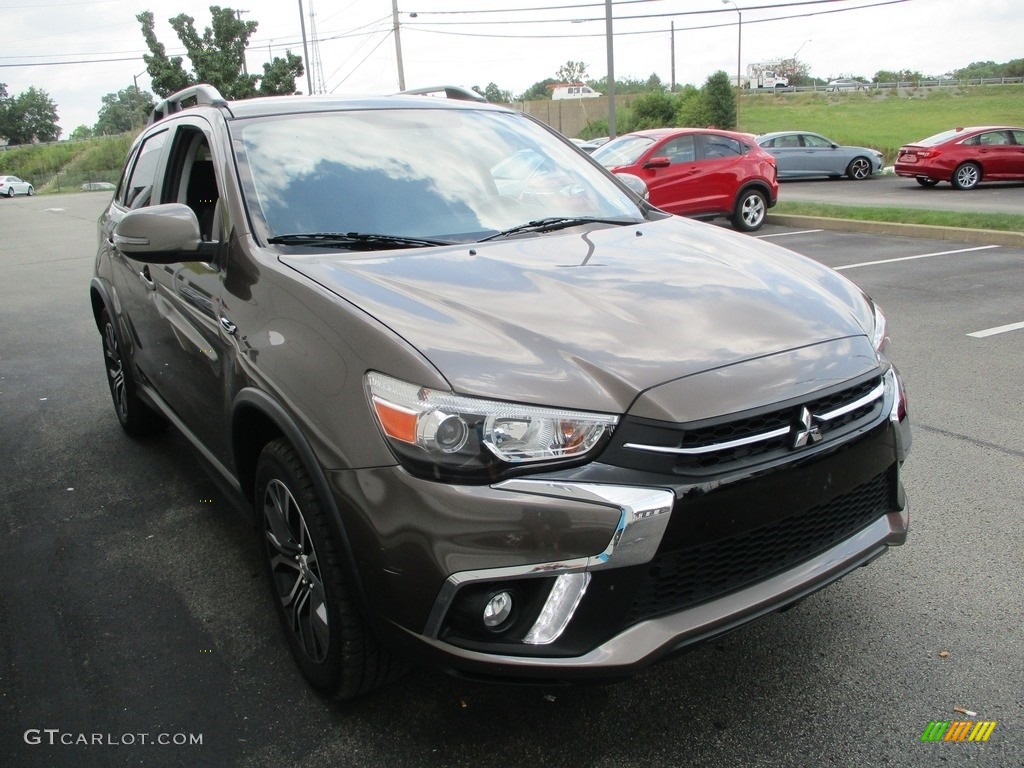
(808, 433)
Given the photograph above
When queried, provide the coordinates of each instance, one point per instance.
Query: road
(135, 609)
(896, 191)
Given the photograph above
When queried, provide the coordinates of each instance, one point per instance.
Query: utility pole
(672, 82)
(245, 69)
(398, 44)
(305, 51)
(611, 67)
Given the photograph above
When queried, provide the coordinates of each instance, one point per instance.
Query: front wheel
(924, 181)
(750, 212)
(859, 168)
(309, 583)
(31, 191)
(966, 176)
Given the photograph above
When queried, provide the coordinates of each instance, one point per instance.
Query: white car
(12, 185)
(847, 84)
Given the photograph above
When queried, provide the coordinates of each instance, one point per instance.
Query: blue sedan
(801, 154)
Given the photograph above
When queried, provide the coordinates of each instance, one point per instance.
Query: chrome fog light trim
(558, 609)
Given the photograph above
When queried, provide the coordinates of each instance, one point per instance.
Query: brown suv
(490, 409)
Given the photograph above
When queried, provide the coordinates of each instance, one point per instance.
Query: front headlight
(444, 435)
(880, 334)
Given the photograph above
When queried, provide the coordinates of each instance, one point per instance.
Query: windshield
(439, 174)
(624, 150)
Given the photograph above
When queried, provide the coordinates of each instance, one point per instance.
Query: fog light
(497, 610)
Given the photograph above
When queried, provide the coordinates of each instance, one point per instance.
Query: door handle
(146, 280)
(229, 327)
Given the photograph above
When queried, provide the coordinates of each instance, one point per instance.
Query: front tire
(859, 168)
(136, 417)
(966, 176)
(750, 212)
(309, 583)
(31, 191)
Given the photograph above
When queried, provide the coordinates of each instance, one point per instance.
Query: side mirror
(636, 185)
(658, 162)
(159, 234)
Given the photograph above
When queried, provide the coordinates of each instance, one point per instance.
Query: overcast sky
(78, 50)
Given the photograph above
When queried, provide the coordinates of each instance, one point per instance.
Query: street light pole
(739, 56)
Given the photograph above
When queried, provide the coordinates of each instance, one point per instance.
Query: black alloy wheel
(135, 416)
(309, 583)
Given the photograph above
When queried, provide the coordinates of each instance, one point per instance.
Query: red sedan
(965, 157)
(699, 172)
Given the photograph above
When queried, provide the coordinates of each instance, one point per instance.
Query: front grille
(733, 442)
(688, 576)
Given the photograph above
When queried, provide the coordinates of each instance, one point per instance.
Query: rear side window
(139, 189)
(722, 146)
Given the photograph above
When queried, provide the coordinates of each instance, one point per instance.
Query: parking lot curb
(971, 236)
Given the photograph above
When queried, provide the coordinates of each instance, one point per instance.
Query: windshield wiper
(361, 240)
(555, 222)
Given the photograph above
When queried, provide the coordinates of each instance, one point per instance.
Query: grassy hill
(65, 165)
(884, 119)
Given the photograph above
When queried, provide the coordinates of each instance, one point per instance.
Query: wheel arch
(257, 419)
(760, 186)
(99, 297)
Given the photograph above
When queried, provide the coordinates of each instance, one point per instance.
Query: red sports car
(965, 157)
(699, 172)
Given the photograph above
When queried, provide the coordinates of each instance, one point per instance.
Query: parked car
(98, 186)
(847, 84)
(802, 154)
(12, 185)
(965, 157)
(518, 434)
(698, 172)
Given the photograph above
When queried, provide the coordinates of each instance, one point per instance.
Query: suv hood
(592, 317)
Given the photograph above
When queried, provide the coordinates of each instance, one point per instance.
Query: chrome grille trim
(875, 394)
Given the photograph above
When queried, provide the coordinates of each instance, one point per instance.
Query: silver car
(801, 154)
(12, 185)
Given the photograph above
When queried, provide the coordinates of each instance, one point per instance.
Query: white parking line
(790, 234)
(998, 329)
(911, 258)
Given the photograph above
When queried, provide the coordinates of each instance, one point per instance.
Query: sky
(79, 50)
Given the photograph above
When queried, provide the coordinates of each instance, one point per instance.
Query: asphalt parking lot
(134, 606)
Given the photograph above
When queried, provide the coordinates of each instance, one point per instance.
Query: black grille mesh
(686, 577)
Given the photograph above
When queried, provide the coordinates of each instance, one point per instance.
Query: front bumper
(612, 568)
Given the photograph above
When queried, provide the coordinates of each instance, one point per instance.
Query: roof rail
(203, 94)
(450, 91)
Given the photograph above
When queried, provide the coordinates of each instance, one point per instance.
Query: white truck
(763, 76)
(573, 91)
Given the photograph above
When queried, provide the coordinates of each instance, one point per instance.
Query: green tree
(122, 111)
(81, 133)
(494, 94)
(572, 72)
(901, 76)
(652, 110)
(537, 91)
(719, 98)
(217, 57)
(29, 117)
